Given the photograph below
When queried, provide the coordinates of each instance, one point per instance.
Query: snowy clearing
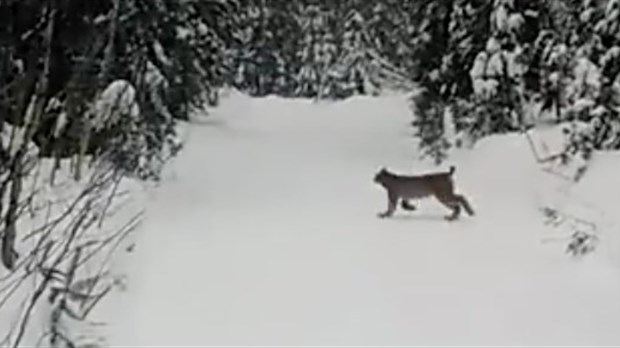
(265, 233)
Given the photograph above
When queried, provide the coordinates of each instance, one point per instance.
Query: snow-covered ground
(265, 233)
(54, 208)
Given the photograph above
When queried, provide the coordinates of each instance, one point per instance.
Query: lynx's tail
(452, 170)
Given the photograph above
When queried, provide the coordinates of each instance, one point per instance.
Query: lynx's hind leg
(451, 203)
(465, 204)
(407, 205)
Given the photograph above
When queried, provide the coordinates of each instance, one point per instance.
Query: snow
(612, 10)
(50, 202)
(490, 65)
(116, 100)
(587, 79)
(156, 82)
(12, 139)
(183, 33)
(160, 53)
(583, 104)
(265, 233)
(515, 22)
(501, 16)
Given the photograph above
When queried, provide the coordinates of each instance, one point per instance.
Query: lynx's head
(381, 176)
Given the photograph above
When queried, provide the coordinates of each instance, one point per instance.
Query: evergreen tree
(356, 64)
(285, 28)
(265, 52)
(250, 54)
(450, 35)
(168, 55)
(278, 42)
(317, 55)
(499, 70)
(607, 114)
(173, 54)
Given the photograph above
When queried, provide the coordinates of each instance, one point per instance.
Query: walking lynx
(406, 188)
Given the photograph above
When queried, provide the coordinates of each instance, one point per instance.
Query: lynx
(406, 188)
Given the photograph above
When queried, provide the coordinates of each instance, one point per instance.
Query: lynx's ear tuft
(452, 170)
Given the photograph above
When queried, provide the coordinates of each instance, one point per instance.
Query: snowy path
(266, 234)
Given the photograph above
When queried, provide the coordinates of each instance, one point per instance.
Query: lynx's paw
(450, 218)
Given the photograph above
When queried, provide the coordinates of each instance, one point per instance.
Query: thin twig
(117, 182)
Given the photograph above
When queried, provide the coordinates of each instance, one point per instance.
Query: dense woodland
(489, 62)
(108, 79)
(494, 65)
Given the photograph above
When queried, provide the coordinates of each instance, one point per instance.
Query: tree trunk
(31, 123)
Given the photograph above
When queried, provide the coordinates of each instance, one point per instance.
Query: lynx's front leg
(451, 203)
(392, 200)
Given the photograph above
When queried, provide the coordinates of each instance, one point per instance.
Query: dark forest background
(489, 61)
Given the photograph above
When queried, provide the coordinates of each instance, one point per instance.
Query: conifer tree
(317, 53)
(356, 65)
